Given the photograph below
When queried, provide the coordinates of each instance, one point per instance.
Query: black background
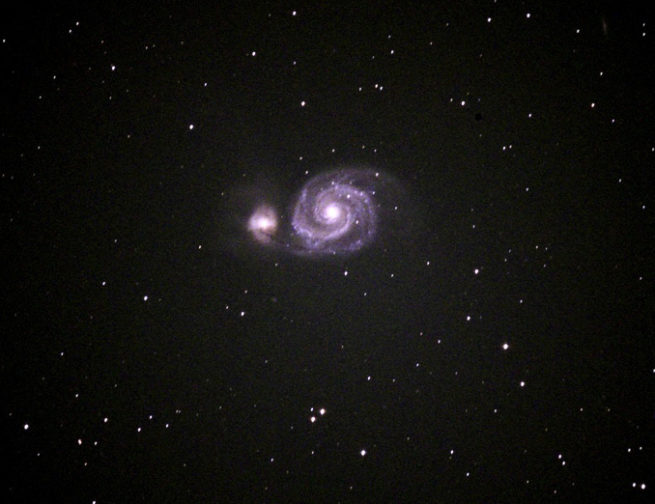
(152, 352)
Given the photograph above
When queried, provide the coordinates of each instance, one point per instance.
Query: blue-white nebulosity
(335, 213)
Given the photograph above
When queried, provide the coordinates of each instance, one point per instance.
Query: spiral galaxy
(334, 213)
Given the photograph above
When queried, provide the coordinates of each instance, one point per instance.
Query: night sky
(491, 343)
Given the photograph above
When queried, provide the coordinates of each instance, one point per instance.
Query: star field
(340, 253)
